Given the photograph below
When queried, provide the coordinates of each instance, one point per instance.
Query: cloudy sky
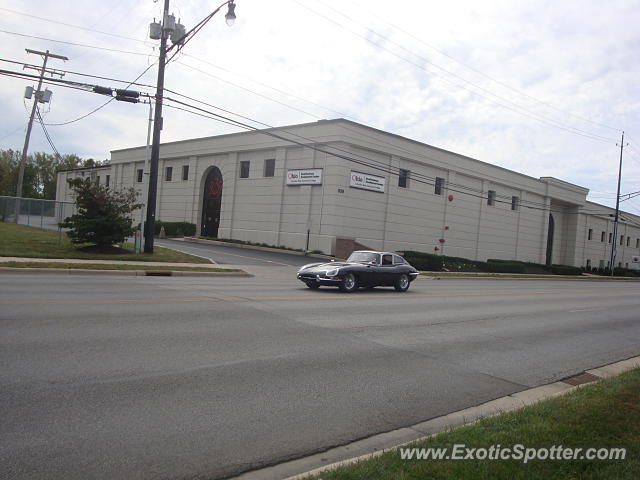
(539, 86)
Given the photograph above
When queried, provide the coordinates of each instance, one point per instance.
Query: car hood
(323, 267)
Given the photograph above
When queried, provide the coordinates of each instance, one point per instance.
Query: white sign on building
(366, 181)
(306, 176)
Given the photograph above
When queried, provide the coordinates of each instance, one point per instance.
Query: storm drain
(581, 379)
(157, 273)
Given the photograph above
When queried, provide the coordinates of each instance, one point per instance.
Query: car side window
(387, 260)
(398, 260)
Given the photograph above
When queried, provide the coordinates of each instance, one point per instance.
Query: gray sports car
(363, 268)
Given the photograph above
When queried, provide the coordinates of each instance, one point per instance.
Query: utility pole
(615, 221)
(37, 98)
(168, 28)
(155, 146)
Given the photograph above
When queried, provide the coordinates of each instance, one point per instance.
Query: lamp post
(167, 29)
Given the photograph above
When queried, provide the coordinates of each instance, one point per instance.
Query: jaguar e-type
(363, 268)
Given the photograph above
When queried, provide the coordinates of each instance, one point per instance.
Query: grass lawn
(21, 241)
(603, 414)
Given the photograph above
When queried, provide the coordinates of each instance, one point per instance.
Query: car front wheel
(348, 283)
(402, 283)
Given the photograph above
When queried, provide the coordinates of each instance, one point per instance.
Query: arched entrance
(552, 227)
(211, 203)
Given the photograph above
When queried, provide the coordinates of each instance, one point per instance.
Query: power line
(74, 85)
(71, 72)
(282, 92)
(248, 90)
(513, 107)
(493, 79)
(288, 106)
(370, 162)
(385, 169)
(71, 25)
(13, 132)
(46, 133)
(74, 44)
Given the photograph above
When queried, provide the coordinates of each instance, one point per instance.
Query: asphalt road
(228, 254)
(187, 377)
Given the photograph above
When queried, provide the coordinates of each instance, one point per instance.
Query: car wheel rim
(349, 282)
(404, 281)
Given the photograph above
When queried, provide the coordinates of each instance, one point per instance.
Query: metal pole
(36, 96)
(145, 175)
(155, 148)
(615, 221)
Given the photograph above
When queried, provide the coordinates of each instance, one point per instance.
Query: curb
(376, 445)
(129, 273)
(434, 276)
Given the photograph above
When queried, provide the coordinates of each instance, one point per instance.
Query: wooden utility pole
(614, 244)
(36, 99)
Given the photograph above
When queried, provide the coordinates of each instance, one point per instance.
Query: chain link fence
(33, 212)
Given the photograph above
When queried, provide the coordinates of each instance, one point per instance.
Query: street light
(169, 28)
(230, 17)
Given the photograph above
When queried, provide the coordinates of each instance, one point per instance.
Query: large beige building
(338, 180)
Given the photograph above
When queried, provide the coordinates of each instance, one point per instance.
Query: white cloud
(577, 56)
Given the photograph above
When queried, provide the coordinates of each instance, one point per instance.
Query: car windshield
(363, 257)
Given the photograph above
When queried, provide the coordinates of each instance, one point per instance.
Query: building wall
(267, 210)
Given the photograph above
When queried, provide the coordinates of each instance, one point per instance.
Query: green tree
(103, 217)
(40, 172)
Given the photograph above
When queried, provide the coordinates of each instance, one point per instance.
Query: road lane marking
(301, 297)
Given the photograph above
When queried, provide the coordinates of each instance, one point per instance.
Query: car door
(387, 274)
(371, 272)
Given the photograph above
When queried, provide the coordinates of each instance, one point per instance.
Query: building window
(621, 239)
(185, 172)
(269, 167)
(491, 197)
(628, 241)
(244, 169)
(602, 237)
(590, 234)
(637, 242)
(588, 264)
(98, 180)
(515, 203)
(139, 179)
(601, 264)
(168, 173)
(610, 237)
(439, 185)
(403, 178)
(107, 180)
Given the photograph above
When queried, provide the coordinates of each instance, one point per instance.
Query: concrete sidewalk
(147, 268)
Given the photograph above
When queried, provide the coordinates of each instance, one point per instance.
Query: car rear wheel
(402, 283)
(348, 283)
(313, 285)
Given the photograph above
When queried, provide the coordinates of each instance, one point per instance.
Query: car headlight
(332, 273)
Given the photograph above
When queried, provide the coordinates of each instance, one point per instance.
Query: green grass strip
(603, 414)
(27, 242)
